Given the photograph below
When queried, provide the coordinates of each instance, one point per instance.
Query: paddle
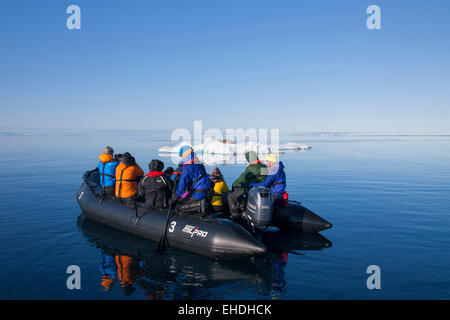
(163, 241)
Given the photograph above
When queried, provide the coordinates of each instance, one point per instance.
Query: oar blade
(162, 244)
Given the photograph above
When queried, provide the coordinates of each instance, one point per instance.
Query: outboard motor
(259, 208)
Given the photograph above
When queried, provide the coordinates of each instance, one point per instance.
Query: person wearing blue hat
(193, 185)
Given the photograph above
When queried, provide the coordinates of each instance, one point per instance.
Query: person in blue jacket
(193, 185)
(175, 177)
(107, 168)
(275, 180)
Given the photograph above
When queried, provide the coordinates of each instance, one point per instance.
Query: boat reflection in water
(129, 263)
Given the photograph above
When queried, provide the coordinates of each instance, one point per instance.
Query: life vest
(107, 169)
(197, 185)
(126, 180)
(198, 182)
(278, 187)
(220, 187)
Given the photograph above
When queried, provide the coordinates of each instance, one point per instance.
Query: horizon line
(28, 132)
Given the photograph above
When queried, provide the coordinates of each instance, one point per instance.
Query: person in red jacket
(156, 187)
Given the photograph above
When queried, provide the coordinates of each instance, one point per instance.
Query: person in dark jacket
(156, 187)
(276, 179)
(107, 168)
(255, 172)
(194, 183)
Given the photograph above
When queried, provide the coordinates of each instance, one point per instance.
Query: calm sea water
(388, 198)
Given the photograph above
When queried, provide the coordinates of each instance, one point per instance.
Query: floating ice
(213, 146)
(294, 146)
(214, 151)
(209, 159)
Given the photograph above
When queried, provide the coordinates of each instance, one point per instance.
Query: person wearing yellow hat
(276, 180)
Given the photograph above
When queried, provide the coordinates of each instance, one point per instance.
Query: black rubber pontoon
(213, 237)
(297, 218)
(216, 238)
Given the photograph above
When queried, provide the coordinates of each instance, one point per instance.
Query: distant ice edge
(212, 146)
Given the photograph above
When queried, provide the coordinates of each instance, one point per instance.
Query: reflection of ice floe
(213, 146)
(227, 152)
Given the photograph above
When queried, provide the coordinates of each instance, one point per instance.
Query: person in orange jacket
(128, 174)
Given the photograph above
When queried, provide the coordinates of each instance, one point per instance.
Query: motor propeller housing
(259, 212)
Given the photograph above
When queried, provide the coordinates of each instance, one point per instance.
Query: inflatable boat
(215, 236)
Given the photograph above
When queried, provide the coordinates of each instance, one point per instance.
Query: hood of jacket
(128, 159)
(251, 156)
(156, 165)
(104, 158)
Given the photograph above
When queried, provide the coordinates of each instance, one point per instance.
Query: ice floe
(212, 146)
(213, 151)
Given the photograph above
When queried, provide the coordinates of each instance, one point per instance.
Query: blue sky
(295, 65)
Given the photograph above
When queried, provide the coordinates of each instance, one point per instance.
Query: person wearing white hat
(276, 180)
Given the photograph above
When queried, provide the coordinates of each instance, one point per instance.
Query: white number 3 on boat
(172, 226)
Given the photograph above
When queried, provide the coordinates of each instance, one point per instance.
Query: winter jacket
(107, 167)
(255, 172)
(156, 187)
(127, 175)
(276, 181)
(193, 178)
